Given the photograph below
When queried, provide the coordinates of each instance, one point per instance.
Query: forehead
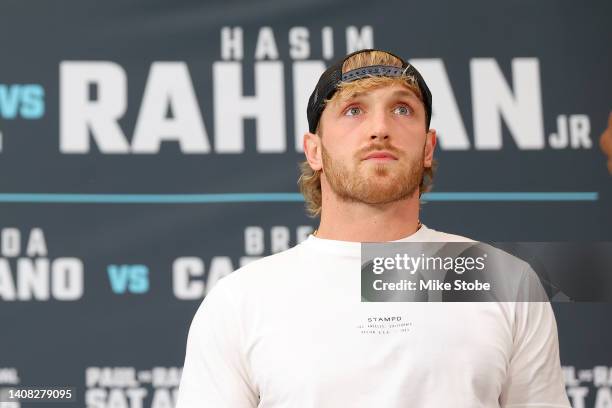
(349, 92)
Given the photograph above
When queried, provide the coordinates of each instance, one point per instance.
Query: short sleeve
(215, 373)
(534, 377)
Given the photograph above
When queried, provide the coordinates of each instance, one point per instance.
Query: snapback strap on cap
(376, 70)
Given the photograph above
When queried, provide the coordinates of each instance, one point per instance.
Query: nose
(380, 128)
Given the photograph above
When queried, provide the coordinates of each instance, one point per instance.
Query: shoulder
(264, 270)
(499, 255)
(250, 284)
(514, 277)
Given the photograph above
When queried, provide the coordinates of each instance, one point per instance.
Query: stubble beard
(374, 184)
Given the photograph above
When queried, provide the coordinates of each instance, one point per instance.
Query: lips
(380, 155)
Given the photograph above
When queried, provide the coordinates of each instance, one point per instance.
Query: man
(288, 330)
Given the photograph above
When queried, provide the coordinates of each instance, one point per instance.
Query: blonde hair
(310, 180)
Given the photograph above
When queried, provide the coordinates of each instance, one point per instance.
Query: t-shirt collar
(354, 248)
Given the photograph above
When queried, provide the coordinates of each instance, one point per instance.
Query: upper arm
(534, 376)
(215, 373)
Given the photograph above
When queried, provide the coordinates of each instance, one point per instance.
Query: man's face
(375, 145)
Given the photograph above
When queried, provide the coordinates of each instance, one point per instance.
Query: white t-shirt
(290, 330)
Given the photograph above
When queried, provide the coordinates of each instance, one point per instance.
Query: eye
(403, 110)
(353, 111)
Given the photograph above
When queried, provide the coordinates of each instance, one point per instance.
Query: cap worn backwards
(333, 76)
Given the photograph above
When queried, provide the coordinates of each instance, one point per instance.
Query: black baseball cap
(333, 76)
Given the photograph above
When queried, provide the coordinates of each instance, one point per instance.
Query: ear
(312, 150)
(430, 145)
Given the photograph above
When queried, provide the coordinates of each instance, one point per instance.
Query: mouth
(380, 156)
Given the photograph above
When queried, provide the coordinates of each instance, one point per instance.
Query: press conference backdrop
(149, 148)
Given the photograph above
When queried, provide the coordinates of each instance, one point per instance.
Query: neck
(359, 222)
